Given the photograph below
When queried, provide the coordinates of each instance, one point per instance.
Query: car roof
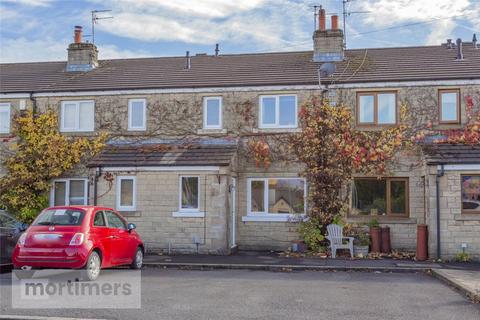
(85, 208)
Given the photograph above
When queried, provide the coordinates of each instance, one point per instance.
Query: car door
(101, 236)
(120, 238)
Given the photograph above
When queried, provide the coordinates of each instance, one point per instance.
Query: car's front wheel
(93, 266)
(137, 262)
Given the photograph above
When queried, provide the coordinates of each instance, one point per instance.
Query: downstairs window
(471, 194)
(276, 196)
(385, 197)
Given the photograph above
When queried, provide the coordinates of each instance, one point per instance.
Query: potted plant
(361, 243)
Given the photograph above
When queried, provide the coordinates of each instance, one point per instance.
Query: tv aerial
(96, 18)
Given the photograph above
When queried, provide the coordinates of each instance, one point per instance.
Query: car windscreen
(60, 217)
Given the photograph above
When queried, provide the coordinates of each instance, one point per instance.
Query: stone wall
(455, 227)
(158, 199)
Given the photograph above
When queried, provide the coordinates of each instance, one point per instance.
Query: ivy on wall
(39, 154)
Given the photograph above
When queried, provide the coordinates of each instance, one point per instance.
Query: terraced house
(178, 163)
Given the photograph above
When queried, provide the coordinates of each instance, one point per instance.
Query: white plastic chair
(335, 236)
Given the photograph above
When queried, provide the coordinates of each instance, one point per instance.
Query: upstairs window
(212, 113)
(77, 116)
(4, 117)
(449, 106)
(137, 114)
(376, 108)
(278, 111)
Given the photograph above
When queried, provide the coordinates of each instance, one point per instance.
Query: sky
(40, 30)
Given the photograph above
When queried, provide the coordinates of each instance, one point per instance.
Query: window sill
(130, 213)
(267, 130)
(193, 214)
(273, 218)
(382, 219)
(211, 131)
(468, 217)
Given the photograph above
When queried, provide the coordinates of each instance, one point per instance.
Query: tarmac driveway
(240, 294)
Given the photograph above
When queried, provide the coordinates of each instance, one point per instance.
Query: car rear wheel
(137, 262)
(93, 266)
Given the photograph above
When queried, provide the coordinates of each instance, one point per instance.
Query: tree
(39, 154)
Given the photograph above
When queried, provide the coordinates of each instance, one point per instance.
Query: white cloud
(26, 50)
(35, 3)
(264, 23)
(441, 15)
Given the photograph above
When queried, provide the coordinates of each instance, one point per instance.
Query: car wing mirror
(131, 226)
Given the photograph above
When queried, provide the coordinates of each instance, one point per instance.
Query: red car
(78, 237)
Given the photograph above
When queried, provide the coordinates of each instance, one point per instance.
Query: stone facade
(172, 115)
(456, 227)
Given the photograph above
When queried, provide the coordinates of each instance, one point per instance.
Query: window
(137, 114)
(77, 116)
(387, 196)
(471, 194)
(126, 193)
(69, 192)
(376, 108)
(278, 111)
(99, 220)
(61, 217)
(4, 117)
(449, 105)
(276, 196)
(189, 193)
(114, 221)
(212, 113)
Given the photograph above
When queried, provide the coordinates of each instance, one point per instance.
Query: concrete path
(467, 281)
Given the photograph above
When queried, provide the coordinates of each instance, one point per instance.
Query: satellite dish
(327, 69)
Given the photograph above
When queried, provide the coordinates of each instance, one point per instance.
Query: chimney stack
(459, 49)
(328, 43)
(82, 56)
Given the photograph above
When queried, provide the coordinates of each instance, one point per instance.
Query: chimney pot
(474, 41)
(188, 64)
(459, 49)
(335, 22)
(322, 20)
(78, 34)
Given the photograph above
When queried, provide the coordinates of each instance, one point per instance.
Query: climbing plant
(38, 154)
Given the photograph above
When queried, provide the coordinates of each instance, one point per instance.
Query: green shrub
(311, 232)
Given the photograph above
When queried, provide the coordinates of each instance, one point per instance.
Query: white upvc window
(275, 199)
(279, 111)
(5, 117)
(126, 193)
(77, 116)
(212, 113)
(189, 194)
(69, 192)
(137, 114)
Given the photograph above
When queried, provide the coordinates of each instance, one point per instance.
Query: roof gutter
(440, 173)
(306, 86)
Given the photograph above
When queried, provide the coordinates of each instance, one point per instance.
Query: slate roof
(452, 154)
(159, 154)
(262, 69)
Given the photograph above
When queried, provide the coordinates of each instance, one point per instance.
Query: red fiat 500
(79, 237)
